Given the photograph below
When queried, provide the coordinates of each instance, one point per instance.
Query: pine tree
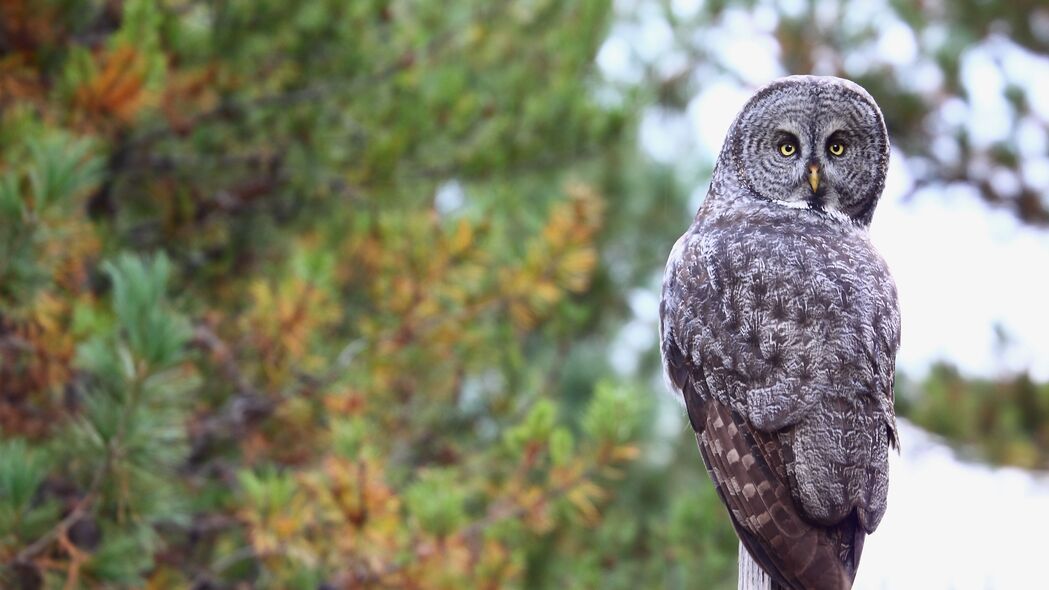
(303, 295)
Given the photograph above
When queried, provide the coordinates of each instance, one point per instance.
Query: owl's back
(796, 300)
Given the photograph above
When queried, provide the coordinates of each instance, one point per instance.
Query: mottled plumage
(779, 329)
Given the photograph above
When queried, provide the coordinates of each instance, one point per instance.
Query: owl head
(811, 142)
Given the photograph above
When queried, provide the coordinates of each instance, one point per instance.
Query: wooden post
(751, 576)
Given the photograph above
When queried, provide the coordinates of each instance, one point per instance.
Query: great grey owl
(779, 327)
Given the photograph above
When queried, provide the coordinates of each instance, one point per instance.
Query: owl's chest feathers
(799, 297)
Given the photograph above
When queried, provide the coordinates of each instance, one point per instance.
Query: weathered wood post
(751, 576)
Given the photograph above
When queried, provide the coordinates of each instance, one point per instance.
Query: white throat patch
(834, 214)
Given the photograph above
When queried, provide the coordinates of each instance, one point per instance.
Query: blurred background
(330, 294)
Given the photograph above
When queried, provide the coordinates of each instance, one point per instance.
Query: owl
(779, 326)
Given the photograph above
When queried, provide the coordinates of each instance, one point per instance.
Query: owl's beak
(814, 176)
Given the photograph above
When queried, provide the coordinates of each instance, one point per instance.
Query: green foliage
(155, 335)
(537, 426)
(268, 491)
(37, 195)
(561, 446)
(59, 167)
(1005, 420)
(356, 352)
(122, 556)
(122, 448)
(437, 502)
(22, 471)
(613, 414)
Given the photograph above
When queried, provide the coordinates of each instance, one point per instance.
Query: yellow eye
(836, 149)
(787, 149)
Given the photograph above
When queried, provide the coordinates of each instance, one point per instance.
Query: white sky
(954, 525)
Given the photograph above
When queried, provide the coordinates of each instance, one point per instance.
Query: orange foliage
(35, 357)
(425, 297)
(19, 81)
(116, 93)
(28, 24)
(559, 260)
(187, 94)
(37, 344)
(280, 322)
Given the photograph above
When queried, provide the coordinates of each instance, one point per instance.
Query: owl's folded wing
(746, 465)
(747, 469)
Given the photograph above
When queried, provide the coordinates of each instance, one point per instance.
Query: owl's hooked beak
(814, 176)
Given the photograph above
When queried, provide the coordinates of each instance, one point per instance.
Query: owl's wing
(887, 332)
(746, 465)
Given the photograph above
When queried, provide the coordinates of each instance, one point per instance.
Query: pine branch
(80, 509)
(113, 448)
